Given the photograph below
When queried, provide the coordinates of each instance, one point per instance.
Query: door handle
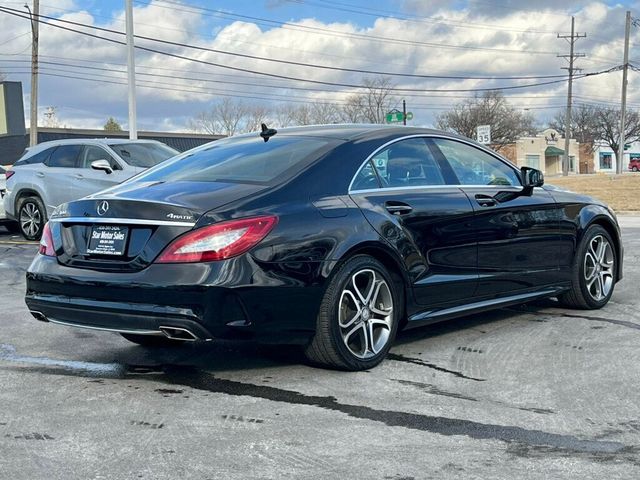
(486, 200)
(39, 174)
(78, 176)
(398, 208)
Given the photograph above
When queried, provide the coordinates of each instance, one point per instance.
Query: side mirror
(531, 178)
(102, 165)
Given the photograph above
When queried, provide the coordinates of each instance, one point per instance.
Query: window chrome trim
(518, 188)
(432, 135)
(121, 221)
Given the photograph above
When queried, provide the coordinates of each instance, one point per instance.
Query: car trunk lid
(126, 228)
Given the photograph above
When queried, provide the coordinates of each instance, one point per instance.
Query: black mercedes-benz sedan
(332, 237)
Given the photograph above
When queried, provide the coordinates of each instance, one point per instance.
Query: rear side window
(408, 163)
(244, 159)
(143, 155)
(28, 159)
(64, 156)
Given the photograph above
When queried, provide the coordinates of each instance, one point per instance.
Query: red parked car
(634, 164)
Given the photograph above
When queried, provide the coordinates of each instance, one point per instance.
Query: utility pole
(623, 108)
(131, 71)
(572, 56)
(404, 112)
(33, 115)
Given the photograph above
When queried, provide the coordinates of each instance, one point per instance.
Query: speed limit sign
(483, 134)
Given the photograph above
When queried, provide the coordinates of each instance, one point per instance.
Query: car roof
(85, 141)
(354, 131)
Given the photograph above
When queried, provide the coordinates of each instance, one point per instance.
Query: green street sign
(394, 117)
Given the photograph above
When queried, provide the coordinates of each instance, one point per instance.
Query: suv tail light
(218, 242)
(46, 242)
(8, 174)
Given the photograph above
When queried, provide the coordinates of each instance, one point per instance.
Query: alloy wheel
(30, 219)
(599, 268)
(365, 314)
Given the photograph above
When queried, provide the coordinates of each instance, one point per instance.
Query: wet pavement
(535, 391)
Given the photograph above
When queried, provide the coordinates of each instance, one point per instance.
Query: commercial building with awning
(543, 152)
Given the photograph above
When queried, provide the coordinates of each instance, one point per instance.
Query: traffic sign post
(483, 134)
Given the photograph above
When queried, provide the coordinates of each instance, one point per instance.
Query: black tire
(31, 216)
(152, 340)
(12, 227)
(634, 169)
(328, 348)
(582, 295)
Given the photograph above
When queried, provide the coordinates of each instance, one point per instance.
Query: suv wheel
(31, 217)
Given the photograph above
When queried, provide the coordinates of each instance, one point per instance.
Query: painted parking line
(17, 242)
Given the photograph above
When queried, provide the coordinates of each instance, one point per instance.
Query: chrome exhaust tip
(39, 316)
(178, 333)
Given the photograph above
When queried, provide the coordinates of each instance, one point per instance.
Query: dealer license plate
(108, 240)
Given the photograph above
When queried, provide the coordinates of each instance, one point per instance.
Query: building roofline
(125, 133)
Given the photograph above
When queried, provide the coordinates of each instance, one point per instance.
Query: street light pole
(131, 71)
(33, 115)
(623, 109)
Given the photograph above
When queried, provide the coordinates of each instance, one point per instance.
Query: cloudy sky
(84, 77)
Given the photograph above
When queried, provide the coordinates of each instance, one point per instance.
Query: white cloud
(514, 30)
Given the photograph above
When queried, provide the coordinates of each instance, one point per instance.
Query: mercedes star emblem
(103, 206)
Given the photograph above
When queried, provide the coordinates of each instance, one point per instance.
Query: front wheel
(358, 317)
(594, 271)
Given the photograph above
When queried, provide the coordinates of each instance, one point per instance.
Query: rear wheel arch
(25, 193)
(385, 257)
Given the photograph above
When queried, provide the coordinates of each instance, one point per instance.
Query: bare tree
(324, 113)
(584, 124)
(225, 117)
(255, 116)
(284, 116)
(491, 108)
(371, 105)
(608, 122)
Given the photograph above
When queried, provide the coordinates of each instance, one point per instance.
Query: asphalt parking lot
(529, 392)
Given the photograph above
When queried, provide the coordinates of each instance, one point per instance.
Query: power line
(320, 82)
(303, 64)
(333, 33)
(344, 7)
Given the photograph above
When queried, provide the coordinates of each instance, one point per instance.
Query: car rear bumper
(229, 299)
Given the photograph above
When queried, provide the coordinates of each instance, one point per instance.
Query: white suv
(52, 173)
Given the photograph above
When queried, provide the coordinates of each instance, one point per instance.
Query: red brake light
(218, 242)
(46, 242)
(8, 174)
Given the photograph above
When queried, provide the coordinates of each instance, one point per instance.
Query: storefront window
(606, 160)
(532, 161)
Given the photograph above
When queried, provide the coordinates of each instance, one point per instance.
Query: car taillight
(46, 242)
(8, 174)
(218, 242)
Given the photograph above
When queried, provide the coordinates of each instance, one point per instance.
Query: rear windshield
(242, 160)
(143, 155)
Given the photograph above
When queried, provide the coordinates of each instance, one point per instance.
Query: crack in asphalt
(416, 361)
(187, 376)
(623, 323)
